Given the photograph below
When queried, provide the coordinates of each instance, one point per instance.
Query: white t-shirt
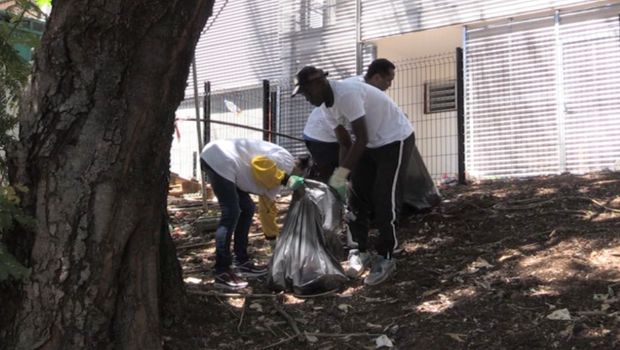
(232, 159)
(317, 128)
(356, 78)
(385, 122)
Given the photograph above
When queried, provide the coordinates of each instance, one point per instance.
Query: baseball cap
(305, 76)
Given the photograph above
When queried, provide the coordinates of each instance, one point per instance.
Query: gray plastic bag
(306, 258)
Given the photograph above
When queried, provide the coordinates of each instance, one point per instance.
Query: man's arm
(344, 139)
(357, 149)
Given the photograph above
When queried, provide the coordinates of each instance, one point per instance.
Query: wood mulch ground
(520, 264)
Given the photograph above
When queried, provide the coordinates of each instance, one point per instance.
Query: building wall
(251, 41)
(240, 46)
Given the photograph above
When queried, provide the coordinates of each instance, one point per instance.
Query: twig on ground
(290, 321)
(309, 296)
(197, 270)
(569, 212)
(271, 330)
(277, 324)
(243, 307)
(344, 335)
(231, 295)
(571, 330)
(226, 306)
(591, 313)
(534, 205)
(195, 245)
(278, 343)
(404, 315)
(516, 307)
(338, 335)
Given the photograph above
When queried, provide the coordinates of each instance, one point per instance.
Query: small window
(440, 97)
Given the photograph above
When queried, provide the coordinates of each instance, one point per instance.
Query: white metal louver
(542, 95)
(590, 51)
(381, 18)
(320, 33)
(240, 45)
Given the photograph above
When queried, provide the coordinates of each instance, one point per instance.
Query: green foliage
(14, 71)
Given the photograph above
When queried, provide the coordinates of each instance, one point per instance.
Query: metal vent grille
(440, 97)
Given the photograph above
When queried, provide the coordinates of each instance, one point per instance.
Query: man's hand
(339, 182)
(295, 182)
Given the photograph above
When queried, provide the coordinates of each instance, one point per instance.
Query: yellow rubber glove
(267, 212)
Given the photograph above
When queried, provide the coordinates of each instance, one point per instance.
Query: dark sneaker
(380, 270)
(248, 269)
(229, 280)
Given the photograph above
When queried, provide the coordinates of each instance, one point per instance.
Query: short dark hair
(307, 166)
(379, 66)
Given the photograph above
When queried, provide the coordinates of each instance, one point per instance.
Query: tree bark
(95, 134)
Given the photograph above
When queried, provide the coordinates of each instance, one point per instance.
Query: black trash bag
(421, 193)
(305, 260)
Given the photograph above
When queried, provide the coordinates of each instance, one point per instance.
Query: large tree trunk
(94, 150)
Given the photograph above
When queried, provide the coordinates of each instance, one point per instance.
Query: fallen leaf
(345, 307)
(382, 341)
(560, 315)
(430, 292)
(600, 297)
(257, 307)
(456, 337)
(373, 326)
(311, 338)
(302, 320)
(481, 263)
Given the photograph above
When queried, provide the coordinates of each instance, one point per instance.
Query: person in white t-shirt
(384, 140)
(321, 139)
(236, 168)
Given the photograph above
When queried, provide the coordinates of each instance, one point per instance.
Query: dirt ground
(492, 268)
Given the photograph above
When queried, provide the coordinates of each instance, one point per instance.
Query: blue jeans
(237, 211)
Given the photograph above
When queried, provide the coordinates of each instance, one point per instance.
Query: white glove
(338, 181)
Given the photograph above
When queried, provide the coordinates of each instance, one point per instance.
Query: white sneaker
(350, 242)
(358, 263)
(380, 271)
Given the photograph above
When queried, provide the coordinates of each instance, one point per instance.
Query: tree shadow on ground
(483, 271)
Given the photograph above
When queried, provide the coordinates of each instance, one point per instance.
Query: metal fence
(185, 151)
(427, 90)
